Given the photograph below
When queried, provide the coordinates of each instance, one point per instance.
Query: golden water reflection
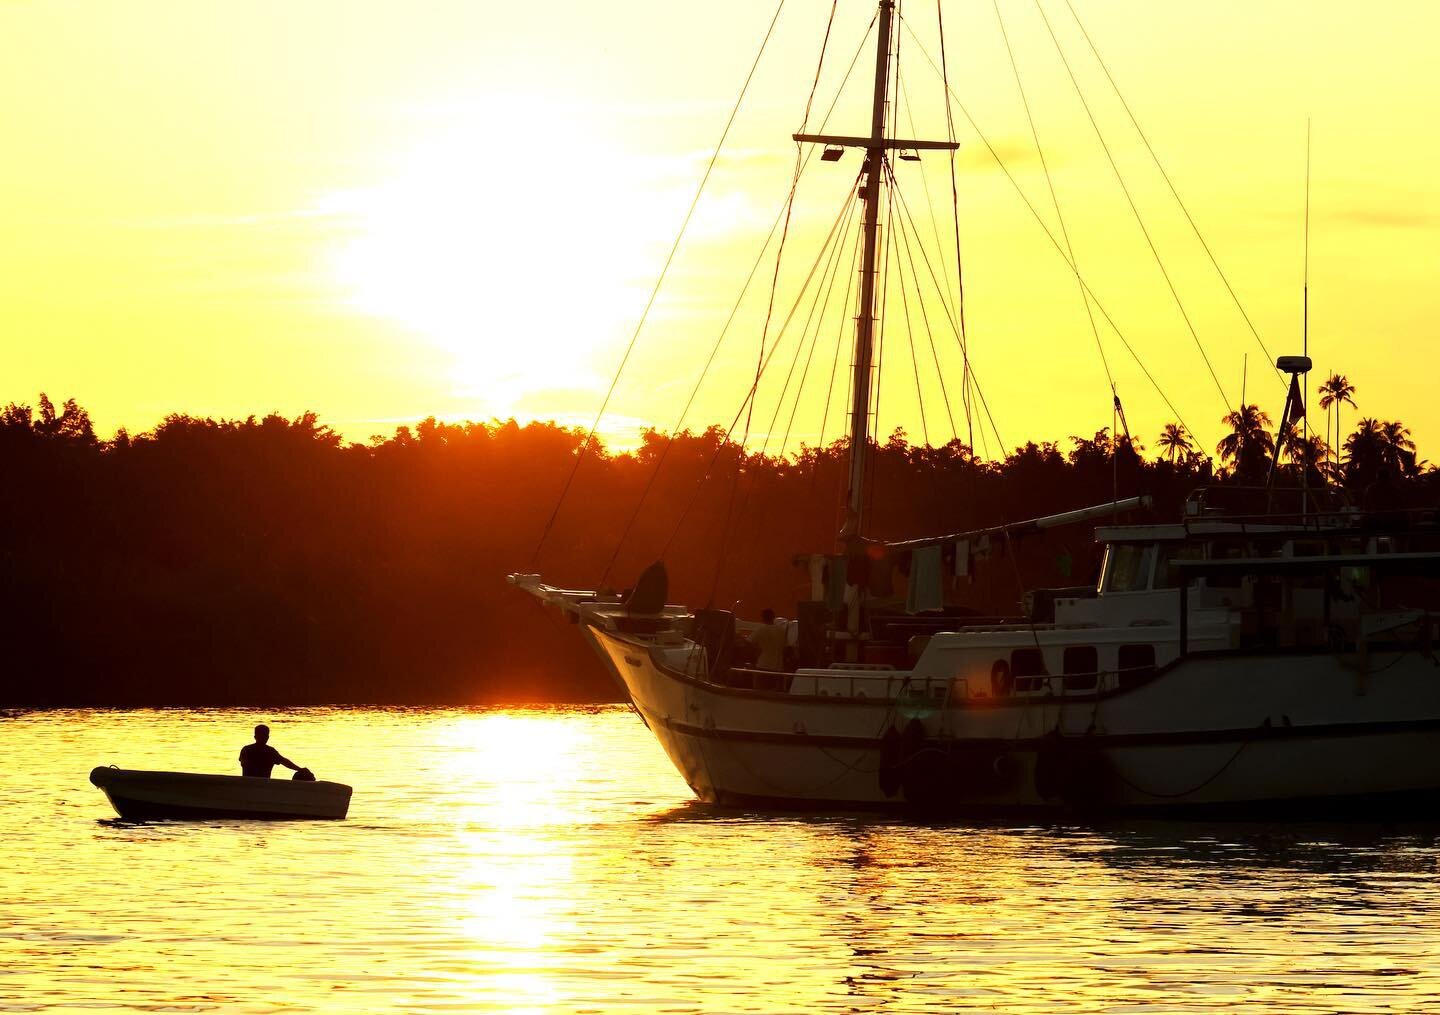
(551, 861)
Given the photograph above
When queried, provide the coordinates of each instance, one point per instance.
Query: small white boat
(148, 796)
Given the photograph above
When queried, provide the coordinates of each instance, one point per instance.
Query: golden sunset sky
(383, 211)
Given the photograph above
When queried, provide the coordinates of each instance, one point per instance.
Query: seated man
(258, 758)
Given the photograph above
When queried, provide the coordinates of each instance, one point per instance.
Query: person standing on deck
(259, 758)
(769, 642)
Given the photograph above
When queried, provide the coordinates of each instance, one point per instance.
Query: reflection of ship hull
(1259, 733)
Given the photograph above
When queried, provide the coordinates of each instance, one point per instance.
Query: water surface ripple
(551, 861)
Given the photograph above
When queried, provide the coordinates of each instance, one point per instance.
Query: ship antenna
(1305, 281)
(1305, 337)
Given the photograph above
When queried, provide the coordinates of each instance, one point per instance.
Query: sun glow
(520, 247)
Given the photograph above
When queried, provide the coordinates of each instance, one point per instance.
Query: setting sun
(514, 241)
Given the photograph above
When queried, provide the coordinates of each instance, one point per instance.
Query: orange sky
(383, 211)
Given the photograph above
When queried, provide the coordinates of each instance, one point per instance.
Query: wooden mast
(865, 320)
(876, 145)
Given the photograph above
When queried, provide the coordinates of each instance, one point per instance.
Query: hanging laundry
(857, 569)
(816, 565)
(962, 559)
(882, 575)
(836, 568)
(925, 592)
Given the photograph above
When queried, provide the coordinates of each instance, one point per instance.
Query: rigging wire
(1040, 221)
(814, 342)
(827, 280)
(871, 463)
(770, 307)
(925, 319)
(775, 344)
(694, 392)
(1055, 199)
(954, 327)
(955, 216)
(821, 302)
(941, 292)
(1139, 220)
(925, 184)
(655, 291)
(800, 161)
(824, 289)
(1009, 549)
(845, 318)
(1134, 121)
(781, 214)
(910, 341)
(882, 333)
(839, 341)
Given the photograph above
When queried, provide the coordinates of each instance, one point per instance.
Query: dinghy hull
(188, 796)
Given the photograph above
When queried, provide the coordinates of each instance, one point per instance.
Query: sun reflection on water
(551, 861)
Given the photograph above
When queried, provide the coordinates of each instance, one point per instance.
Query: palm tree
(1175, 440)
(1398, 448)
(1364, 453)
(1335, 392)
(1248, 444)
(1309, 456)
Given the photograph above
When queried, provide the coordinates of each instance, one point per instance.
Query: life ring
(1002, 683)
(1004, 770)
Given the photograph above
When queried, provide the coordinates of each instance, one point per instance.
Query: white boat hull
(149, 796)
(1304, 733)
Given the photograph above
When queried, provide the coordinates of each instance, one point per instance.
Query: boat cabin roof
(1183, 531)
(1390, 563)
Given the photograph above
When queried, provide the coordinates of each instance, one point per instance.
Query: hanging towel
(836, 568)
(816, 564)
(962, 559)
(925, 592)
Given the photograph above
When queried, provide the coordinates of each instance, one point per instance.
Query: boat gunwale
(1038, 700)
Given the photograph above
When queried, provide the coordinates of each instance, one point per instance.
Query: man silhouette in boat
(258, 758)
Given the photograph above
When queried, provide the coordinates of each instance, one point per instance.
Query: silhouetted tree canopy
(268, 561)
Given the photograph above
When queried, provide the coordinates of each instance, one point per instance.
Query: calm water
(551, 861)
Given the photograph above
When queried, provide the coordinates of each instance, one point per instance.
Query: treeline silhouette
(268, 561)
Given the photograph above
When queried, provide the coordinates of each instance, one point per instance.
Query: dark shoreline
(266, 563)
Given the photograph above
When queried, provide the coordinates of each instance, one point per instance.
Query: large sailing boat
(1236, 660)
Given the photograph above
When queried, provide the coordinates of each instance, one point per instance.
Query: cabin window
(1137, 664)
(1027, 668)
(1167, 575)
(1228, 551)
(1082, 664)
(1127, 567)
(1027, 662)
